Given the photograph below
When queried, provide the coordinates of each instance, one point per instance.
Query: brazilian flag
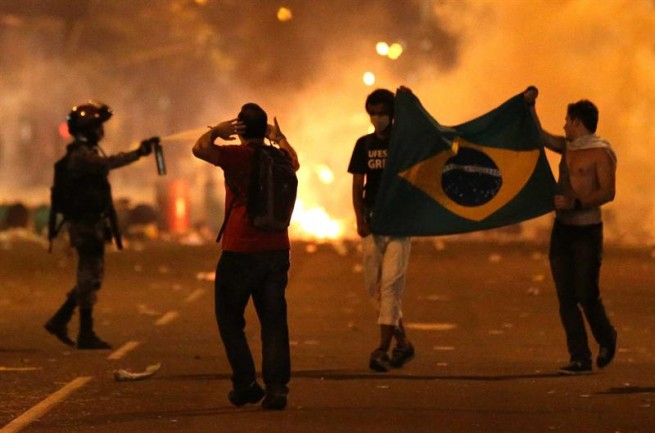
(485, 173)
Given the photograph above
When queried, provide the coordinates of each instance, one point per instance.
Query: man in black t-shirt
(385, 257)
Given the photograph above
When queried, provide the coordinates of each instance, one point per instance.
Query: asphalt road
(482, 316)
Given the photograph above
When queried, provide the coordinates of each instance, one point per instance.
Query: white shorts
(385, 267)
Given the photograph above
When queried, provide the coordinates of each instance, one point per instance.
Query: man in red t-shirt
(253, 263)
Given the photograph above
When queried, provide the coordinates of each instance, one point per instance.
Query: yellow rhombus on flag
(488, 172)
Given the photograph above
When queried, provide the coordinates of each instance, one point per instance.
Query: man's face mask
(380, 121)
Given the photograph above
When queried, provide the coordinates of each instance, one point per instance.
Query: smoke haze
(200, 63)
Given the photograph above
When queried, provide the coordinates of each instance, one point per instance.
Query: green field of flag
(485, 173)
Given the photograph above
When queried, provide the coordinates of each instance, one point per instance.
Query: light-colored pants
(385, 266)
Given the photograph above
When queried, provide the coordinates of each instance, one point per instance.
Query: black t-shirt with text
(369, 158)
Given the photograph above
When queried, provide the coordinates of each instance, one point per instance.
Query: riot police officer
(81, 198)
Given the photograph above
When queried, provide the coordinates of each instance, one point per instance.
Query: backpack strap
(229, 209)
(227, 215)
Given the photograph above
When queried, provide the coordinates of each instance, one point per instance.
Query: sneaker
(91, 341)
(379, 361)
(61, 332)
(606, 353)
(274, 400)
(576, 368)
(401, 355)
(252, 394)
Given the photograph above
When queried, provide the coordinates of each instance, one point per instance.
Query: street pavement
(482, 316)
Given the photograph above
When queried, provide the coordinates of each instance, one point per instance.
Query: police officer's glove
(145, 148)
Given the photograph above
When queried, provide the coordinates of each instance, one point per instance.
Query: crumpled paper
(122, 375)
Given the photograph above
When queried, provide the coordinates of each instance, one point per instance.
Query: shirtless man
(586, 181)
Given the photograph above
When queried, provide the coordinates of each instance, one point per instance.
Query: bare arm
(606, 176)
(555, 143)
(358, 204)
(274, 134)
(205, 148)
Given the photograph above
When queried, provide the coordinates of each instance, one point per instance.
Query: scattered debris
(534, 291)
(438, 298)
(438, 244)
(495, 258)
(146, 311)
(340, 247)
(122, 375)
(192, 239)
(206, 276)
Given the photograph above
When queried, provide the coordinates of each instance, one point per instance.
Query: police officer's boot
(87, 339)
(57, 325)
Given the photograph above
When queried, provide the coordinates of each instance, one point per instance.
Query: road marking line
(167, 318)
(20, 368)
(194, 295)
(444, 348)
(431, 326)
(44, 406)
(123, 350)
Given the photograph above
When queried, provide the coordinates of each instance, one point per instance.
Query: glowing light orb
(325, 174)
(395, 50)
(284, 14)
(368, 78)
(382, 48)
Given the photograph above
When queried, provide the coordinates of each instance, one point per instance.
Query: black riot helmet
(85, 119)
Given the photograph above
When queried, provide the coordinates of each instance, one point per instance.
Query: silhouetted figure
(254, 262)
(81, 200)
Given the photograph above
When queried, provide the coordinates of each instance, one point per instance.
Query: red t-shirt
(240, 235)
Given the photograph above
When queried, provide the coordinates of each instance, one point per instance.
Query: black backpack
(272, 190)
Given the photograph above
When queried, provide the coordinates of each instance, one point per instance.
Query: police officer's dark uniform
(90, 227)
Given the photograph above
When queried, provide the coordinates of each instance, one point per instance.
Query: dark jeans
(575, 259)
(264, 277)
